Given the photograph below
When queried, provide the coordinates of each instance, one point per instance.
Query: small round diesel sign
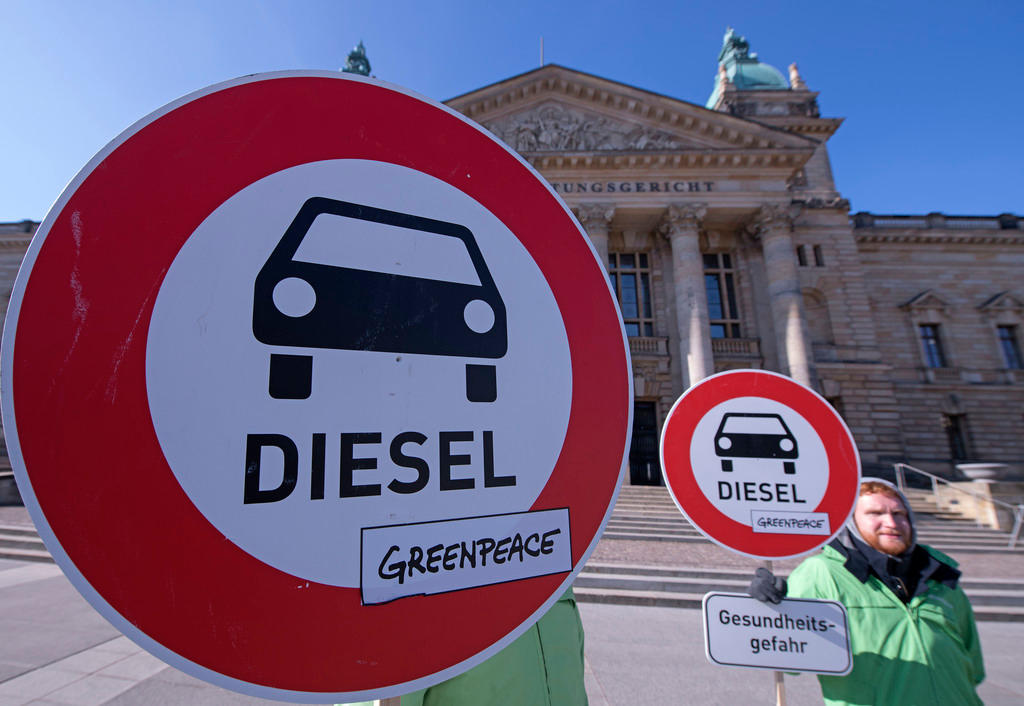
(315, 389)
(760, 464)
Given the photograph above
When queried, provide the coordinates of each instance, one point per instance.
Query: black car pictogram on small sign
(755, 435)
(357, 309)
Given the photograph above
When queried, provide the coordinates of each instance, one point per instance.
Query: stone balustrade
(648, 345)
(1006, 221)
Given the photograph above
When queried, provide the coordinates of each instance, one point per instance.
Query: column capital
(595, 216)
(683, 218)
(773, 217)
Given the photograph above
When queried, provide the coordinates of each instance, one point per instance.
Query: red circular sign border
(94, 397)
(676, 441)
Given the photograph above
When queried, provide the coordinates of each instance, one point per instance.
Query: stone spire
(357, 63)
(796, 82)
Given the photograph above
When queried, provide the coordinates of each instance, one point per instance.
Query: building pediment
(927, 300)
(555, 109)
(557, 127)
(1003, 303)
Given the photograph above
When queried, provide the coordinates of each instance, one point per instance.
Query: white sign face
(383, 438)
(755, 454)
(796, 635)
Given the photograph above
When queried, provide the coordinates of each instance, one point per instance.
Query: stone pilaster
(596, 219)
(774, 224)
(682, 227)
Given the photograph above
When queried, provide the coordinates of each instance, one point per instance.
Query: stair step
(602, 568)
(26, 554)
(682, 600)
(21, 542)
(19, 529)
(979, 596)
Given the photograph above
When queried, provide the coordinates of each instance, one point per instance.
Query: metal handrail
(1017, 510)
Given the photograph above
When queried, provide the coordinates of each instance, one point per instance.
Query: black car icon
(755, 435)
(374, 304)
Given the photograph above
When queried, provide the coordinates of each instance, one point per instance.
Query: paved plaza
(55, 649)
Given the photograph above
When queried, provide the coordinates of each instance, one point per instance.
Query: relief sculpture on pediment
(556, 128)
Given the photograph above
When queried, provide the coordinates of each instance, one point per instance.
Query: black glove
(767, 587)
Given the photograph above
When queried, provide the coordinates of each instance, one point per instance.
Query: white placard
(427, 558)
(776, 522)
(796, 635)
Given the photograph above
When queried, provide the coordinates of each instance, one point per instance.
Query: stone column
(774, 225)
(596, 219)
(682, 226)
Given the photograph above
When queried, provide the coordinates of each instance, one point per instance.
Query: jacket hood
(905, 575)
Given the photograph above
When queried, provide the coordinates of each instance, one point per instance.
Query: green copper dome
(743, 69)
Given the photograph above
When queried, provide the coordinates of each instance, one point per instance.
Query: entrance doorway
(644, 465)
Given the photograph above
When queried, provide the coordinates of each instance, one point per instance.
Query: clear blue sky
(931, 90)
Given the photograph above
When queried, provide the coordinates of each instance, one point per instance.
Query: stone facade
(730, 247)
(743, 191)
(14, 240)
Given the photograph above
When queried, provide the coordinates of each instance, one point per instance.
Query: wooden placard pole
(780, 684)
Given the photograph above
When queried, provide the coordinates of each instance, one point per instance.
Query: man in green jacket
(912, 630)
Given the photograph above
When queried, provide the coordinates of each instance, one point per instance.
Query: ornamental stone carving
(816, 202)
(796, 82)
(773, 217)
(595, 216)
(683, 218)
(554, 127)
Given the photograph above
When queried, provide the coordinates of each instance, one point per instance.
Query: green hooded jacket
(922, 652)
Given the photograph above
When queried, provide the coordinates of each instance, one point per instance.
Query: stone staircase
(649, 514)
(684, 587)
(21, 542)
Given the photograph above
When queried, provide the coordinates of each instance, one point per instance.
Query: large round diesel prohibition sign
(315, 389)
(760, 464)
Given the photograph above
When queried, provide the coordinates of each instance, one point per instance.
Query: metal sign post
(780, 683)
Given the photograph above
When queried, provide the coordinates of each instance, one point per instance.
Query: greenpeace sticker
(426, 558)
(779, 522)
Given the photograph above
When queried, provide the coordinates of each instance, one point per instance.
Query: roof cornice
(788, 159)
(995, 237)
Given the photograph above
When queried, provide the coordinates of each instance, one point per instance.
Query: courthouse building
(729, 245)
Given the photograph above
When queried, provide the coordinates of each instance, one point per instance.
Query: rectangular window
(931, 345)
(1010, 347)
(630, 275)
(956, 434)
(719, 285)
(801, 255)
